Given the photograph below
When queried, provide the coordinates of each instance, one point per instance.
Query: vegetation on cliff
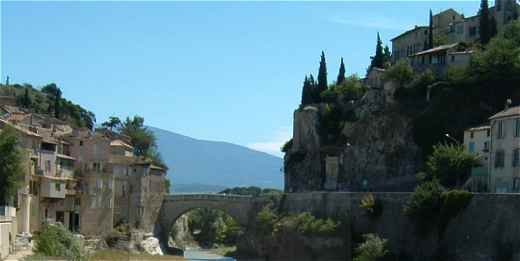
(48, 100)
(11, 165)
(373, 248)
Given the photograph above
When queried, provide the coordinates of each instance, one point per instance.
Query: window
(48, 166)
(453, 58)
(473, 31)
(472, 135)
(500, 130)
(486, 146)
(57, 186)
(499, 159)
(488, 132)
(471, 147)
(517, 128)
(516, 157)
(80, 143)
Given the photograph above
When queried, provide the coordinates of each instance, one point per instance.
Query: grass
(110, 255)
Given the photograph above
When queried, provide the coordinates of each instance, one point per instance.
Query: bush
(450, 164)
(373, 248)
(452, 203)
(57, 241)
(401, 72)
(371, 205)
(424, 205)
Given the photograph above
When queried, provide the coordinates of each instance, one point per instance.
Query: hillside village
(374, 134)
(89, 180)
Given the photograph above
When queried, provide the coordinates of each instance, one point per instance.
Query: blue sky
(226, 71)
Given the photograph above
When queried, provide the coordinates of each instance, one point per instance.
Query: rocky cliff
(374, 150)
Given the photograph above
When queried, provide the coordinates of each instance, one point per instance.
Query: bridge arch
(242, 209)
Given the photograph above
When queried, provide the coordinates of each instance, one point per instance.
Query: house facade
(477, 141)
(504, 166)
(89, 181)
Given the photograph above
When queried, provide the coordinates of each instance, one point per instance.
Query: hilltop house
(449, 27)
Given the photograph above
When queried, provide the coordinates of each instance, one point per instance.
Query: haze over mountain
(211, 166)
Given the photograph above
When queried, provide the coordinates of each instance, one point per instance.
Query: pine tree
(484, 22)
(322, 74)
(430, 31)
(341, 74)
(379, 59)
(493, 27)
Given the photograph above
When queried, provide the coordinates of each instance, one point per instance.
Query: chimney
(508, 103)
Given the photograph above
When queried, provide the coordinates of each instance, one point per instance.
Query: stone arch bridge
(242, 208)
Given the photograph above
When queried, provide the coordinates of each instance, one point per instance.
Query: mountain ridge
(213, 165)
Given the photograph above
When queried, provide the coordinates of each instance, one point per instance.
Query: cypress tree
(26, 99)
(430, 31)
(484, 22)
(7, 81)
(322, 74)
(315, 91)
(493, 27)
(341, 74)
(378, 59)
(57, 105)
(388, 55)
(306, 92)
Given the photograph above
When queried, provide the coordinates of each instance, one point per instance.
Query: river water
(204, 255)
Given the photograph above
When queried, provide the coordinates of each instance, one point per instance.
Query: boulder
(151, 246)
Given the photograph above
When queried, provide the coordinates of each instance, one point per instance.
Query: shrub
(57, 241)
(371, 205)
(452, 203)
(329, 96)
(401, 72)
(373, 248)
(424, 205)
(450, 164)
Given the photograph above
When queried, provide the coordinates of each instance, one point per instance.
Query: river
(204, 255)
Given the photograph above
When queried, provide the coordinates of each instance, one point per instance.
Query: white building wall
(504, 178)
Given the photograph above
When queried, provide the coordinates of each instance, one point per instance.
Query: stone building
(450, 27)
(504, 166)
(477, 142)
(441, 58)
(80, 177)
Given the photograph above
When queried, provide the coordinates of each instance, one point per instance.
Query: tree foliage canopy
(11, 165)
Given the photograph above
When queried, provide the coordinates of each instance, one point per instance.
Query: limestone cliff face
(374, 152)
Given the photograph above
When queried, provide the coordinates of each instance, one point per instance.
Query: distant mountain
(210, 166)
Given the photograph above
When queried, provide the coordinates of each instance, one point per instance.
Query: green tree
(493, 27)
(322, 74)
(307, 92)
(167, 185)
(401, 72)
(111, 123)
(484, 23)
(450, 164)
(378, 60)
(142, 138)
(341, 74)
(27, 102)
(315, 90)
(11, 165)
(388, 56)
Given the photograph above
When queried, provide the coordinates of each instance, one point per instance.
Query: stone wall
(8, 231)
(486, 229)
